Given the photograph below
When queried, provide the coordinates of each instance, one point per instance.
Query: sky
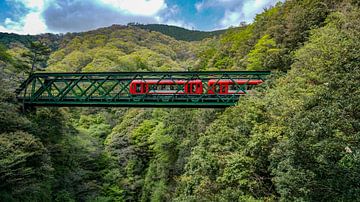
(62, 16)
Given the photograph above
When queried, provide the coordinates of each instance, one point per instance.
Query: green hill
(51, 40)
(180, 33)
(8, 38)
(120, 48)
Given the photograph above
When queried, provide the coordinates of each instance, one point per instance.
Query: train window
(236, 87)
(217, 88)
(194, 88)
(166, 88)
(138, 88)
(249, 87)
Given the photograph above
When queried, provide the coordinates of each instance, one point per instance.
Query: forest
(297, 140)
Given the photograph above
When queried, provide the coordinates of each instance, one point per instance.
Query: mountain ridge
(178, 33)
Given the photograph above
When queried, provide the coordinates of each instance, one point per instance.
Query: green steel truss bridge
(210, 89)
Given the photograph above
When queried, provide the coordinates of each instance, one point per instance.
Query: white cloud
(231, 19)
(138, 7)
(169, 16)
(80, 15)
(31, 23)
(33, 4)
(199, 6)
(227, 4)
(236, 11)
(34, 23)
(180, 23)
(250, 9)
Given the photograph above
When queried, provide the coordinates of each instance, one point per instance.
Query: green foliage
(25, 167)
(10, 120)
(282, 29)
(4, 56)
(120, 48)
(95, 125)
(37, 55)
(292, 143)
(264, 56)
(179, 33)
(228, 52)
(9, 38)
(324, 135)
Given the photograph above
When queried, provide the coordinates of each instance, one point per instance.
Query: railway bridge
(206, 89)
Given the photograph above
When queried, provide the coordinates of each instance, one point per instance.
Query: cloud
(61, 16)
(227, 4)
(170, 16)
(30, 23)
(246, 12)
(76, 15)
(180, 23)
(138, 7)
(236, 11)
(199, 6)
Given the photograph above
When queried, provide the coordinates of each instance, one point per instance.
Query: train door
(216, 89)
(139, 88)
(220, 89)
(189, 88)
(223, 89)
(192, 88)
(199, 88)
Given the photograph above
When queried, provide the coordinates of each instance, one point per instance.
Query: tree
(4, 56)
(265, 55)
(318, 159)
(24, 168)
(37, 55)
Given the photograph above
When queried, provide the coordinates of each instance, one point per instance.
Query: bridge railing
(113, 88)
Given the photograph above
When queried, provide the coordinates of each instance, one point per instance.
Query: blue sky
(61, 16)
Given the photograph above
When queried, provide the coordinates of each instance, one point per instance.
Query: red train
(222, 86)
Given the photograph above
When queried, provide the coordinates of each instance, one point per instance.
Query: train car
(166, 87)
(228, 86)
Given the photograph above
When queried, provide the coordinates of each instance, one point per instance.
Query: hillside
(297, 140)
(8, 38)
(180, 33)
(120, 48)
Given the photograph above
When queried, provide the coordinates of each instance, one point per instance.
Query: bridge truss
(111, 89)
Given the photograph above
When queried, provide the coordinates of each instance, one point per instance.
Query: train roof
(233, 81)
(165, 81)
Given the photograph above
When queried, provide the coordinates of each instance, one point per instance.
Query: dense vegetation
(179, 33)
(8, 38)
(296, 140)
